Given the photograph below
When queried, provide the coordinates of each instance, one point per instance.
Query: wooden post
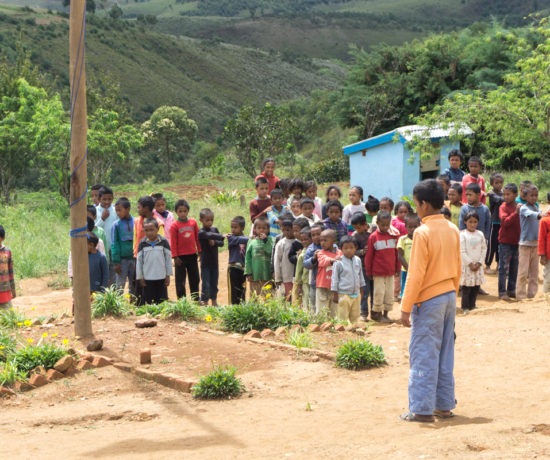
(79, 244)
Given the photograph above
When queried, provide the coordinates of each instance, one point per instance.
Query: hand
(299, 252)
(142, 283)
(397, 273)
(268, 209)
(167, 281)
(177, 261)
(211, 242)
(249, 278)
(406, 318)
(316, 253)
(105, 214)
(518, 207)
(543, 260)
(335, 297)
(227, 235)
(337, 258)
(118, 269)
(13, 293)
(262, 236)
(370, 277)
(472, 266)
(405, 266)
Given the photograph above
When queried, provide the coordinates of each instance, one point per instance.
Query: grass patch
(111, 302)
(7, 346)
(12, 318)
(149, 309)
(31, 356)
(300, 339)
(221, 383)
(183, 308)
(11, 373)
(360, 354)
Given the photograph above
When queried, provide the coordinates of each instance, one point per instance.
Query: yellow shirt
(435, 264)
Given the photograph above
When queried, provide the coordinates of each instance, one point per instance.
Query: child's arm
(369, 257)
(487, 229)
(418, 263)
(324, 260)
(483, 254)
(506, 220)
(401, 257)
(115, 249)
(461, 225)
(466, 259)
(299, 271)
(167, 263)
(197, 245)
(139, 266)
(309, 260)
(248, 261)
(278, 263)
(293, 254)
(11, 276)
(335, 280)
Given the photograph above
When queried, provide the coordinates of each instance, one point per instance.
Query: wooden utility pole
(79, 242)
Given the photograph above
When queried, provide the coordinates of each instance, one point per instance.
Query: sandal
(410, 417)
(440, 414)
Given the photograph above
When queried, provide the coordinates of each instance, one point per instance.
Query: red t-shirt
(257, 206)
(184, 238)
(381, 257)
(272, 180)
(468, 179)
(510, 228)
(324, 270)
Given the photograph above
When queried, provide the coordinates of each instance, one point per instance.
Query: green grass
(360, 354)
(221, 383)
(300, 339)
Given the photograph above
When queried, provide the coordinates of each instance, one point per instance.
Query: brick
(38, 380)
(267, 333)
(70, 372)
(296, 328)
(253, 334)
(314, 328)
(146, 322)
(351, 328)
(360, 332)
(100, 361)
(339, 328)
(183, 385)
(64, 363)
(145, 373)
(145, 356)
(167, 380)
(123, 366)
(5, 392)
(83, 365)
(280, 331)
(326, 327)
(52, 375)
(39, 370)
(326, 355)
(254, 340)
(88, 357)
(20, 386)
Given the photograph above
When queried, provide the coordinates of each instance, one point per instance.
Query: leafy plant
(300, 339)
(360, 354)
(30, 356)
(226, 197)
(221, 383)
(183, 308)
(11, 318)
(329, 171)
(10, 373)
(7, 346)
(110, 302)
(152, 309)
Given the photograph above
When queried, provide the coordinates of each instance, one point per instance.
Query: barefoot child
(300, 293)
(326, 257)
(284, 268)
(7, 280)
(473, 249)
(361, 236)
(236, 245)
(495, 200)
(508, 238)
(334, 222)
(455, 203)
(257, 266)
(210, 240)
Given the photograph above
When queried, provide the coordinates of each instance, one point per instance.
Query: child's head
(532, 194)
(310, 188)
(334, 210)
(412, 222)
(445, 182)
(182, 209)
(92, 243)
(261, 226)
(268, 166)
(401, 209)
(286, 229)
(383, 221)
(428, 197)
(237, 225)
(298, 225)
(105, 197)
(160, 202)
(91, 211)
(473, 193)
(446, 212)
(262, 187)
(277, 198)
(307, 205)
(475, 165)
(510, 193)
(145, 206)
(296, 187)
(206, 216)
(284, 185)
(471, 219)
(333, 193)
(497, 181)
(305, 237)
(348, 246)
(90, 224)
(328, 238)
(455, 194)
(2, 234)
(95, 193)
(359, 222)
(523, 186)
(355, 194)
(295, 207)
(122, 207)
(386, 204)
(455, 158)
(316, 230)
(151, 229)
(372, 205)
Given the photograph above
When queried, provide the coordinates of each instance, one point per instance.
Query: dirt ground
(293, 407)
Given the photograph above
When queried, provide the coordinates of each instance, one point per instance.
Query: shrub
(221, 383)
(7, 346)
(183, 308)
(30, 356)
(111, 301)
(328, 171)
(360, 354)
(151, 309)
(300, 339)
(11, 318)
(9, 373)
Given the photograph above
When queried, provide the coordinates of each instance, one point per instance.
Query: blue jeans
(127, 272)
(403, 281)
(431, 351)
(507, 268)
(209, 288)
(367, 291)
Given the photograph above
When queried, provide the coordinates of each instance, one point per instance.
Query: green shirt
(406, 244)
(257, 261)
(455, 213)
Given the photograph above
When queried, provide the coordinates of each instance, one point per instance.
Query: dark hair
(412, 216)
(181, 203)
(307, 201)
(525, 183)
(495, 176)
(124, 202)
(471, 215)
(318, 225)
(266, 161)
(104, 190)
(151, 221)
(512, 187)
(301, 222)
(147, 202)
(347, 239)
(91, 209)
(205, 212)
(446, 212)
(388, 200)
(240, 221)
(90, 223)
(359, 189)
(458, 187)
(287, 223)
(330, 232)
(336, 203)
(96, 187)
(429, 191)
(473, 187)
(548, 196)
(306, 231)
(358, 218)
(333, 187)
(296, 183)
(372, 204)
(402, 203)
(260, 180)
(445, 178)
(158, 196)
(456, 153)
(283, 184)
(276, 191)
(475, 160)
(531, 188)
(286, 214)
(92, 238)
(383, 215)
(2, 232)
(308, 184)
(260, 220)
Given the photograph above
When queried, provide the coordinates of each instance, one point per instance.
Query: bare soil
(293, 407)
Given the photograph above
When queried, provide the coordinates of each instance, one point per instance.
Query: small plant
(226, 197)
(360, 354)
(110, 302)
(7, 346)
(221, 383)
(10, 373)
(300, 339)
(183, 308)
(30, 356)
(151, 309)
(11, 318)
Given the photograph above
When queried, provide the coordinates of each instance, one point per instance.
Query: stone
(83, 365)
(39, 370)
(20, 386)
(71, 371)
(253, 334)
(88, 357)
(36, 322)
(52, 375)
(183, 385)
(100, 361)
(145, 356)
(296, 328)
(65, 315)
(146, 322)
(50, 320)
(183, 324)
(152, 342)
(360, 332)
(38, 380)
(314, 328)
(64, 363)
(145, 373)
(281, 330)
(267, 333)
(5, 391)
(123, 366)
(339, 328)
(351, 328)
(95, 345)
(326, 327)
(72, 352)
(255, 340)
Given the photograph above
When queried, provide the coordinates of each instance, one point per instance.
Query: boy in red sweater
(260, 205)
(475, 177)
(325, 258)
(544, 248)
(508, 241)
(381, 265)
(184, 244)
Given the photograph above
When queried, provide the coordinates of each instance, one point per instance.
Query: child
(284, 185)
(274, 212)
(544, 248)
(347, 281)
(106, 217)
(307, 206)
(310, 188)
(474, 165)
(326, 257)
(495, 200)
(257, 267)
(91, 211)
(455, 202)
(154, 264)
(333, 220)
(122, 246)
(528, 268)
(284, 268)
(333, 193)
(295, 209)
(473, 196)
(145, 206)
(297, 226)
(300, 292)
(446, 213)
(7, 280)
(310, 261)
(473, 248)
(236, 244)
(372, 207)
(100, 244)
(210, 240)
(404, 246)
(258, 206)
(163, 214)
(185, 246)
(95, 194)
(97, 263)
(445, 182)
(355, 205)
(508, 238)
(361, 237)
(430, 293)
(382, 265)
(454, 172)
(401, 209)
(296, 190)
(268, 173)
(386, 204)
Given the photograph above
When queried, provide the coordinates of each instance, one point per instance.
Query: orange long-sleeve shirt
(544, 237)
(435, 265)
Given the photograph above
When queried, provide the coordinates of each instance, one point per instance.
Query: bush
(300, 339)
(183, 308)
(30, 356)
(9, 373)
(150, 309)
(7, 346)
(221, 383)
(11, 318)
(111, 301)
(360, 354)
(329, 171)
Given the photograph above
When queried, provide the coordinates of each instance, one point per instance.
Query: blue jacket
(311, 264)
(529, 221)
(455, 175)
(99, 272)
(484, 214)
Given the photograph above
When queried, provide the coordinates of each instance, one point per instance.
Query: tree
(115, 12)
(170, 132)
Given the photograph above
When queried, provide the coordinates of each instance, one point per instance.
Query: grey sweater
(347, 276)
(154, 259)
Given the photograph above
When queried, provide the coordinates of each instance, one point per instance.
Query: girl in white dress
(473, 248)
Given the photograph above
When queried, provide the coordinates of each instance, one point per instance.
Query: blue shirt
(455, 175)
(311, 264)
(106, 224)
(273, 216)
(529, 221)
(99, 272)
(484, 214)
(237, 249)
